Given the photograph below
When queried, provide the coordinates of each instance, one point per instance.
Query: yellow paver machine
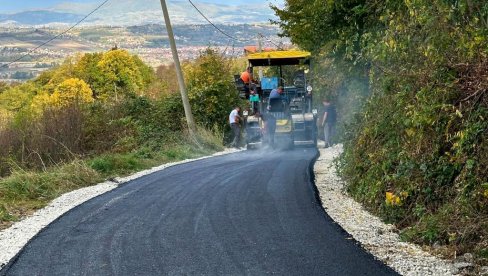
(296, 121)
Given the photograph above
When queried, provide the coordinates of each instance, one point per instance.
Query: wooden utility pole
(260, 49)
(181, 82)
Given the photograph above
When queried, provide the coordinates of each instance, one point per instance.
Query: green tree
(18, 97)
(122, 75)
(51, 79)
(166, 79)
(72, 91)
(87, 69)
(334, 27)
(211, 89)
(3, 86)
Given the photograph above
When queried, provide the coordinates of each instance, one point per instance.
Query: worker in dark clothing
(269, 127)
(328, 122)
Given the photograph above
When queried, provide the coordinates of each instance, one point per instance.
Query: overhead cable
(218, 29)
(226, 34)
(270, 41)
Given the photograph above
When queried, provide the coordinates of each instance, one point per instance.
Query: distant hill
(149, 41)
(39, 17)
(206, 34)
(135, 12)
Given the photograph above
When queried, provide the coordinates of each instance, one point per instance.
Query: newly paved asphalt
(248, 213)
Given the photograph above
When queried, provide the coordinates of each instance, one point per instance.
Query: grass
(23, 192)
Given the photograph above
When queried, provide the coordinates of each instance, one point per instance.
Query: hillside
(134, 12)
(39, 18)
(150, 42)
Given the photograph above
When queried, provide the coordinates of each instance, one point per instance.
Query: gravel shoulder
(14, 238)
(375, 236)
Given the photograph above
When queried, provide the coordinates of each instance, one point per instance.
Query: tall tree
(210, 88)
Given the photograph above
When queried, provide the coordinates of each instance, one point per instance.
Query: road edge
(346, 234)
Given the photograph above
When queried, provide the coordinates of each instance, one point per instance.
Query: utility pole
(260, 49)
(181, 82)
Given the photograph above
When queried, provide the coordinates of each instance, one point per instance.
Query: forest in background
(99, 115)
(410, 80)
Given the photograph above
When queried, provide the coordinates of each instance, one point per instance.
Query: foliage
(334, 26)
(72, 91)
(211, 89)
(157, 121)
(3, 86)
(72, 111)
(418, 69)
(16, 98)
(166, 81)
(122, 75)
(87, 70)
(105, 127)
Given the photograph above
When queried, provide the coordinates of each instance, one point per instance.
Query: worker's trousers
(236, 129)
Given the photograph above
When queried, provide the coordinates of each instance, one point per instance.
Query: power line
(226, 34)
(270, 41)
(208, 20)
(57, 36)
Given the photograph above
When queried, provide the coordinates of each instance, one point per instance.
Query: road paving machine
(296, 121)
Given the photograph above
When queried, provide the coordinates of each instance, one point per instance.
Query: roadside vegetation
(410, 79)
(101, 115)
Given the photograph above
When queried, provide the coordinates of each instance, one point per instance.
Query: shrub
(211, 89)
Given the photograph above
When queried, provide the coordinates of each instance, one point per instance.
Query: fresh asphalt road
(248, 213)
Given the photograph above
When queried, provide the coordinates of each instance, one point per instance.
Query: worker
(269, 127)
(276, 93)
(276, 97)
(234, 120)
(246, 77)
(328, 122)
(254, 98)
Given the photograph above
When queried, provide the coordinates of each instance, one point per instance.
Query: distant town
(150, 42)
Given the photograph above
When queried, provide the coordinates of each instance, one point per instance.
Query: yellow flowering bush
(71, 91)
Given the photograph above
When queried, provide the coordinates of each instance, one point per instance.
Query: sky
(12, 6)
(139, 12)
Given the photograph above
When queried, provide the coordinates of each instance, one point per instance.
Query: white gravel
(375, 236)
(13, 239)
